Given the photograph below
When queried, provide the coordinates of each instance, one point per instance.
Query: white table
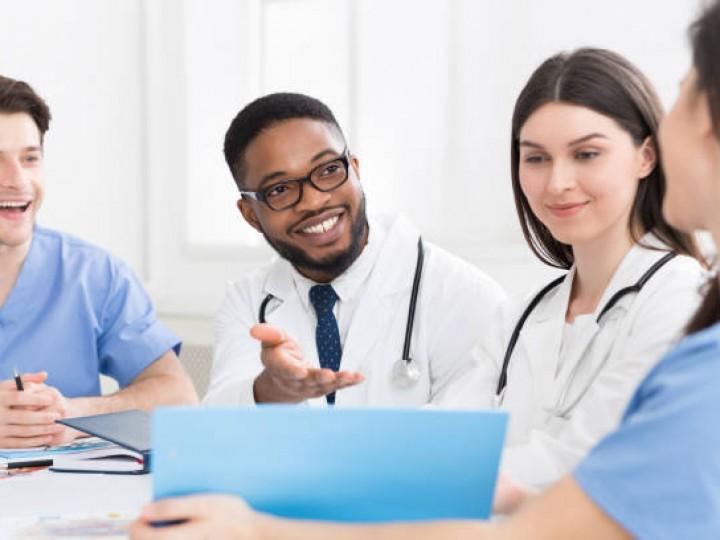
(46, 495)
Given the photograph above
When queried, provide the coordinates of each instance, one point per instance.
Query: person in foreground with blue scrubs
(69, 311)
(658, 475)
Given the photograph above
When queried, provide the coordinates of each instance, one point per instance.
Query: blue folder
(334, 464)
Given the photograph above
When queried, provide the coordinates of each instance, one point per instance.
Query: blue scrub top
(76, 311)
(658, 475)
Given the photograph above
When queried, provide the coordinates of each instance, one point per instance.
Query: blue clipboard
(350, 465)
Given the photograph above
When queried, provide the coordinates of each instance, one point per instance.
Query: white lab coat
(541, 446)
(455, 301)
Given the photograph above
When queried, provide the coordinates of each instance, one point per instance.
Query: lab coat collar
(542, 333)
(555, 301)
(348, 284)
(635, 263)
(392, 275)
(277, 282)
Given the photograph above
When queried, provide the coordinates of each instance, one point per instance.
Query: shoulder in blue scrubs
(76, 311)
(658, 475)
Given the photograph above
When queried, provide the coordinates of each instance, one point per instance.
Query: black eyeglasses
(285, 194)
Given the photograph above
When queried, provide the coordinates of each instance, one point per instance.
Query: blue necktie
(327, 335)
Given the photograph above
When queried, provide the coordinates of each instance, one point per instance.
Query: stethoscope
(560, 411)
(405, 372)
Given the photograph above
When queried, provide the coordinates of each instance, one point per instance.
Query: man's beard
(332, 265)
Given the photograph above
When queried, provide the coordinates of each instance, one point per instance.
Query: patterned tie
(327, 335)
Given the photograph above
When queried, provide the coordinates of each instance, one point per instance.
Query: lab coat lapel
(575, 353)
(635, 263)
(542, 335)
(390, 279)
(285, 311)
(631, 268)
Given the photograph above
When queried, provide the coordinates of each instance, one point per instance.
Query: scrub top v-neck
(76, 311)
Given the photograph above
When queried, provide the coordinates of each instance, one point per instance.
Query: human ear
(355, 164)
(248, 213)
(648, 157)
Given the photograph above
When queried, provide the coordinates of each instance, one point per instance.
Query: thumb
(269, 335)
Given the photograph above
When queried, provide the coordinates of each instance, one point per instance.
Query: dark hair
(705, 40)
(610, 85)
(263, 113)
(19, 97)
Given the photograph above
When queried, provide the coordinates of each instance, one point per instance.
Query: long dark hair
(705, 40)
(607, 83)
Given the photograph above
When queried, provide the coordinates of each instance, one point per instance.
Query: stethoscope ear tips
(405, 373)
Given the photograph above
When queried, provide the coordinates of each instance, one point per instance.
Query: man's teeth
(322, 227)
(13, 204)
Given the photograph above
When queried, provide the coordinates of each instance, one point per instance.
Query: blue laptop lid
(333, 464)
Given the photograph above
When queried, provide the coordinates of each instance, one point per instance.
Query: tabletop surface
(67, 505)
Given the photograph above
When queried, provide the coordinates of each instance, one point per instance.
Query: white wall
(85, 57)
(142, 92)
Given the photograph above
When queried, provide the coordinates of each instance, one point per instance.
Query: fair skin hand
(287, 377)
(564, 512)
(508, 495)
(27, 418)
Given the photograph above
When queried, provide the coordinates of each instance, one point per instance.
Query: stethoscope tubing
(635, 288)
(419, 263)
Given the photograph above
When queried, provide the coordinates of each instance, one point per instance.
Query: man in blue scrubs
(69, 311)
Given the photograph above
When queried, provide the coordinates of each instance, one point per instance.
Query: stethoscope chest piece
(405, 373)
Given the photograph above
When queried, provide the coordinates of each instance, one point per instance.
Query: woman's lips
(566, 210)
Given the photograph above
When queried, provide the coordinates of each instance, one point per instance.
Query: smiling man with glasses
(336, 301)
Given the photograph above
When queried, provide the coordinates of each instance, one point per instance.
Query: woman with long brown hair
(588, 189)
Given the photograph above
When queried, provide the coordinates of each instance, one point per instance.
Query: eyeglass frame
(260, 196)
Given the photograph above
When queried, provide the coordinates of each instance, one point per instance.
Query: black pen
(18, 380)
(26, 464)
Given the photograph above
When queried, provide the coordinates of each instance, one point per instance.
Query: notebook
(78, 449)
(336, 464)
(129, 430)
